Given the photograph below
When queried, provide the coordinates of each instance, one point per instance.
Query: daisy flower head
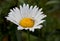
(26, 17)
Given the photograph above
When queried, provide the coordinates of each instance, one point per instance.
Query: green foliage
(51, 27)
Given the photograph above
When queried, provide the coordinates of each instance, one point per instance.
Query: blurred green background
(51, 27)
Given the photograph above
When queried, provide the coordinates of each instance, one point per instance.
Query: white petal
(24, 5)
(31, 29)
(20, 28)
(39, 22)
(40, 9)
(11, 15)
(42, 16)
(26, 28)
(39, 18)
(33, 11)
(12, 20)
(30, 11)
(31, 7)
(38, 13)
(38, 27)
(24, 10)
(27, 10)
(11, 10)
(14, 14)
(17, 13)
(21, 11)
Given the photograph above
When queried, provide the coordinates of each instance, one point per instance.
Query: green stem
(28, 38)
(19, 35)
(39, 36)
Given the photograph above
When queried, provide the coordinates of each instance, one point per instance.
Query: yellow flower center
(26, 23)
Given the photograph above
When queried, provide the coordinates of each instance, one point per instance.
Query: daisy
(26, 17)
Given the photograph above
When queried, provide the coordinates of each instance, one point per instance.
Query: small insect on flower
(26, 17)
